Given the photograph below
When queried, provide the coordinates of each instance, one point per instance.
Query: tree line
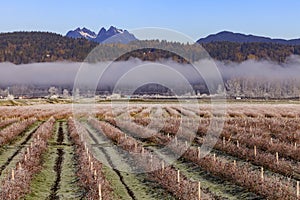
(31, 47)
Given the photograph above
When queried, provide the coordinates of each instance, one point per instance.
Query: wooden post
(214, 156)
(13, 174)
(151, 161)
(178, 176)
(38, 137)
(237, 144)
(199, 191)
(255, 151)
(19, 165)
(295, 146)
(262, 173)
(277, 158)
(92, 166)
(224, 141)
(135, 147)
(271, 140)
(100, 192)
(234, 163)
(95, 174)
(298, 190)
(199, 152)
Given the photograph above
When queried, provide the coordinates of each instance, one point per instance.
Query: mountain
(227, 36)
(112, 35)
(32, 47)
(82, 33)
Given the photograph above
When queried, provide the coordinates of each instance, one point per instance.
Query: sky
(194, 18)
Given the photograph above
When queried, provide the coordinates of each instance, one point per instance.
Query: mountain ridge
(228, 36)
(111, 35)
(34, 46)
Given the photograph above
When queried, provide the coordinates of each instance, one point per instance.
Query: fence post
(178, 176)
(20, 165)
(95, 174)
(100, 192)
(255, 151)
(135, 147)
(151, 165)
(262, 173)
(298, 189)
(199, 190)
(277, 158)
(13, 174)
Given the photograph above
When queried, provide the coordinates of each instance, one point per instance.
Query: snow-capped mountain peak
(87, 35)
(82, 33)
(112, 35)
(115, 30)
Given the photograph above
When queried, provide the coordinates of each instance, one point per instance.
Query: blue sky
(198, 18)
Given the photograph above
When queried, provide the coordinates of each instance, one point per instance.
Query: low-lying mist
(134, 70)
(262, 69)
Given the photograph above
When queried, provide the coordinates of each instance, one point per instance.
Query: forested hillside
(239, 52)
(30, 47)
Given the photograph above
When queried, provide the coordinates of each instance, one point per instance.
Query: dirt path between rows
(58, 164)
(113, 167)
(57, 179)
(19, 147)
